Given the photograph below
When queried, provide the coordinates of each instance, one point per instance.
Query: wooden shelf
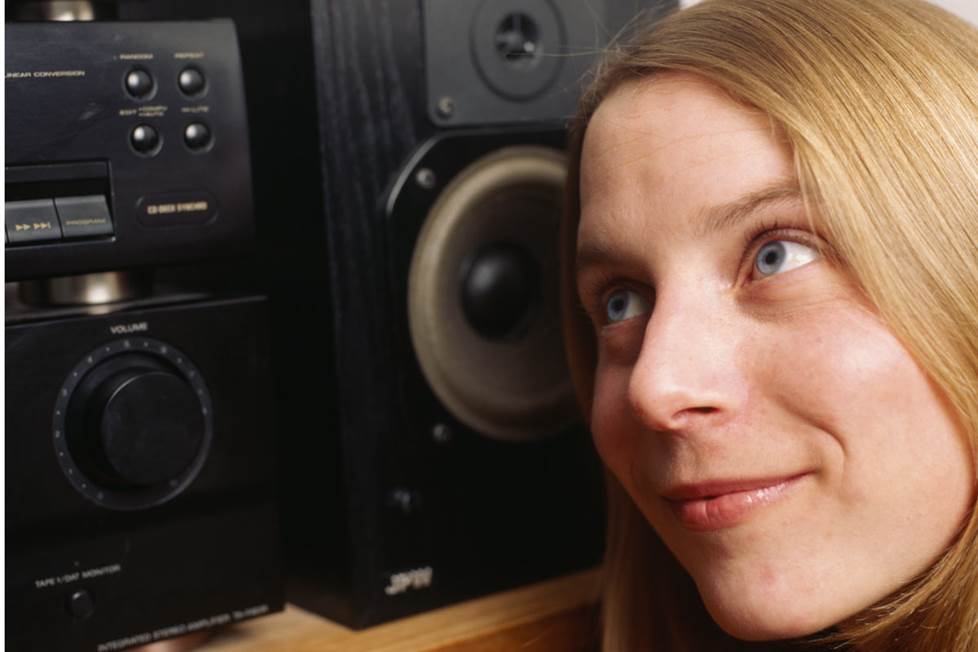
(554, 616)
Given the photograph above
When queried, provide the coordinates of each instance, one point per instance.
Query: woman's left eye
(624, 304)
(781, 256)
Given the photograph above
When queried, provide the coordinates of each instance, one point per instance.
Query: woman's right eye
(624, 304)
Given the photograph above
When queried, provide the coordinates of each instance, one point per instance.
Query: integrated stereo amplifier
(139, 454)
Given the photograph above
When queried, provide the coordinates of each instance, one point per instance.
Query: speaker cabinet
(432, 448)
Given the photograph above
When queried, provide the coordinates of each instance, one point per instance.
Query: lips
(717, 505)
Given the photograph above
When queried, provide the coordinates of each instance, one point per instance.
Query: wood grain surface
(553, 616)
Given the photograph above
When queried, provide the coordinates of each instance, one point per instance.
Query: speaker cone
(483, 296)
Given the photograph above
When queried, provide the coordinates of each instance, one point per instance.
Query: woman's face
(783, 444)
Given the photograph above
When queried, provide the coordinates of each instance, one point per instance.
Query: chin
(754, 618)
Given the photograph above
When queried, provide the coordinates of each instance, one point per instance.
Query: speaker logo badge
(418, 578)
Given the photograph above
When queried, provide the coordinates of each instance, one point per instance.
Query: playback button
(33, 220)
(84, 217)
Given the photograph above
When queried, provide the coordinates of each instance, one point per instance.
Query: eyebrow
(724, 216)
(714, 219)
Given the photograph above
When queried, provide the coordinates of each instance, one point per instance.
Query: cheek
(614, 442)
(878, 415)
(835, 370)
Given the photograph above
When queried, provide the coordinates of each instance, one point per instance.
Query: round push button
(197, 135)
(191, 81)
(81, 604)
(145, 139)
(139, 83)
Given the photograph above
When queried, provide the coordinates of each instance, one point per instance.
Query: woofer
(483, 296)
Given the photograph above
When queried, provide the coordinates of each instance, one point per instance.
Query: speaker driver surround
(482, 296)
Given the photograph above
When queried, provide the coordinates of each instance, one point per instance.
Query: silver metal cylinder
(58, 10)
(86, 289)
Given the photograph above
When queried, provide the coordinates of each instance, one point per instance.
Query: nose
(687, 374)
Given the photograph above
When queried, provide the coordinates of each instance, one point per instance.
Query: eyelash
(762, 228)
(770, 231)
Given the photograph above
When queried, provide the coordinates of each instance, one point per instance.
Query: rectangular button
(190, 207)
(84, 217)
(31, 220)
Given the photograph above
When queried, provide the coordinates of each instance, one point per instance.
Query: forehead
(674, 146)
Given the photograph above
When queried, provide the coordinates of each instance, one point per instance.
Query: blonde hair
(879, 102)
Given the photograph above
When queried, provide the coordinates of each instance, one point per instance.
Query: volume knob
(133, 425)
(146, 425)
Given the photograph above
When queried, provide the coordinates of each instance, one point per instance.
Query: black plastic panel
(69, 109)
(496, 62)
(84, 576)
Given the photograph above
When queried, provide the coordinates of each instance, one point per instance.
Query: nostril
(687, 416)
(702, 410)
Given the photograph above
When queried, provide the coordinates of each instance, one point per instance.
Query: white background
(965, 8)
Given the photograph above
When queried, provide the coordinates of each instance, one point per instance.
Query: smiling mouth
(718, 505)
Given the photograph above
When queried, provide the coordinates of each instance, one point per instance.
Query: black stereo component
(140, 465)
(433, 452)
(138, 482)
(126, 146)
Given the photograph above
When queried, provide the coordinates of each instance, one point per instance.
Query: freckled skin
(732, 377)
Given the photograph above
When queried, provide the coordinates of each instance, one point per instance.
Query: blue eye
(781, 256)
(625, 304)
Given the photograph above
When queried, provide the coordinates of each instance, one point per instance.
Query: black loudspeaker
(433, 449)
